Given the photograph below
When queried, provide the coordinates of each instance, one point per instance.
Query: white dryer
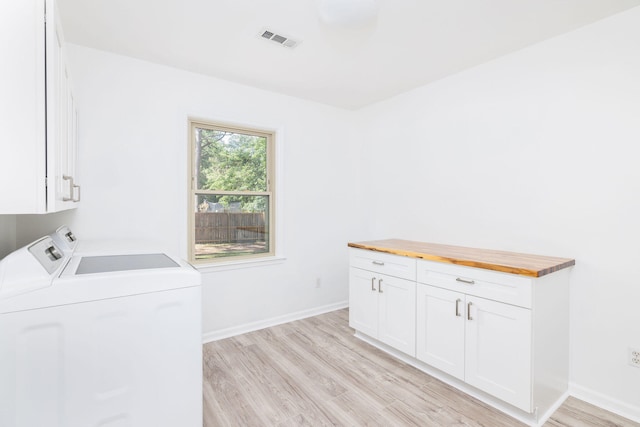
(98, 339)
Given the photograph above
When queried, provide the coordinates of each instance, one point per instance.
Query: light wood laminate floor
(314, 372)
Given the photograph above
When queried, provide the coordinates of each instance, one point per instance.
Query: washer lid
(72, 288)
(110, 263)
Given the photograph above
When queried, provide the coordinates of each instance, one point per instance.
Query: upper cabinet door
(37, 130)
(63, 191)
(22, 107)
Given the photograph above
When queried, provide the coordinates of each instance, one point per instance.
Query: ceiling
(409, 44)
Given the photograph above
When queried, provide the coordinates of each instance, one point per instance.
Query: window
(231, 198)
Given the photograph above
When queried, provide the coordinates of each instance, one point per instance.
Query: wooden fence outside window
(229, 227)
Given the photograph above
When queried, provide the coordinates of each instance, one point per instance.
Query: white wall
(535, 152)
(133, 173)
(7, 234)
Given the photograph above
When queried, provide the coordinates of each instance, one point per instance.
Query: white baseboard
(605, 402)
(266, 323)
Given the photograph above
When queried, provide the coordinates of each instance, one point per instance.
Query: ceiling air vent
(277, 38)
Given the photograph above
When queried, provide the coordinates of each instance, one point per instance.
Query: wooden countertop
(506, 262)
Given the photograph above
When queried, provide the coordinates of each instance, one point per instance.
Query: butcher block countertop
(506, 262)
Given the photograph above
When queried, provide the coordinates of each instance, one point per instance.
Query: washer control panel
(64, 239)
(47, 253)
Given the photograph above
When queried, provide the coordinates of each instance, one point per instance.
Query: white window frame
(274, 148)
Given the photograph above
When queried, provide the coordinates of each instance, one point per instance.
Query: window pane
(231, 225)
(229, 161)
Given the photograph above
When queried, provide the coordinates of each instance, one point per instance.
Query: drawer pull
(380, 285)
(378, 263)
(469, 312)
(468, 282)
(373, 280)
(458, 301)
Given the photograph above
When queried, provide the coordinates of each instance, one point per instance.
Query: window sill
(239, 264)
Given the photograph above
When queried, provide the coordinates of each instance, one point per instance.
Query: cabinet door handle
(73, 194)
(468, 282)
(380, 285)
(377, 262)
(71, 186)
(469, 311)
(373, 288)
(72, 190)
(458, 301)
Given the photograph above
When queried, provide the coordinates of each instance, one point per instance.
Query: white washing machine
(98, 339)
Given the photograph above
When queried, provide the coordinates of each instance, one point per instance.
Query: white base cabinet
(498, 351)
(397, 313)
(499, 335)
(485, 343)
(363, 302)
(383, 306)
(440, 329)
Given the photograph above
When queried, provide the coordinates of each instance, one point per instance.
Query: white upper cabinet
(38, 124)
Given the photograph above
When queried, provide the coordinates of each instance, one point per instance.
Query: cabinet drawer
(502, 287)
(391, 265)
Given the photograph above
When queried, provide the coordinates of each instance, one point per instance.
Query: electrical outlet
(634, 357)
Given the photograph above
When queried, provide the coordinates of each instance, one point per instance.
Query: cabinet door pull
(469, 311)
(73, 194)
(378, 263)
(458, 301)
(373, 279)
(380, 285)
(468, 282)
(71, 186)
